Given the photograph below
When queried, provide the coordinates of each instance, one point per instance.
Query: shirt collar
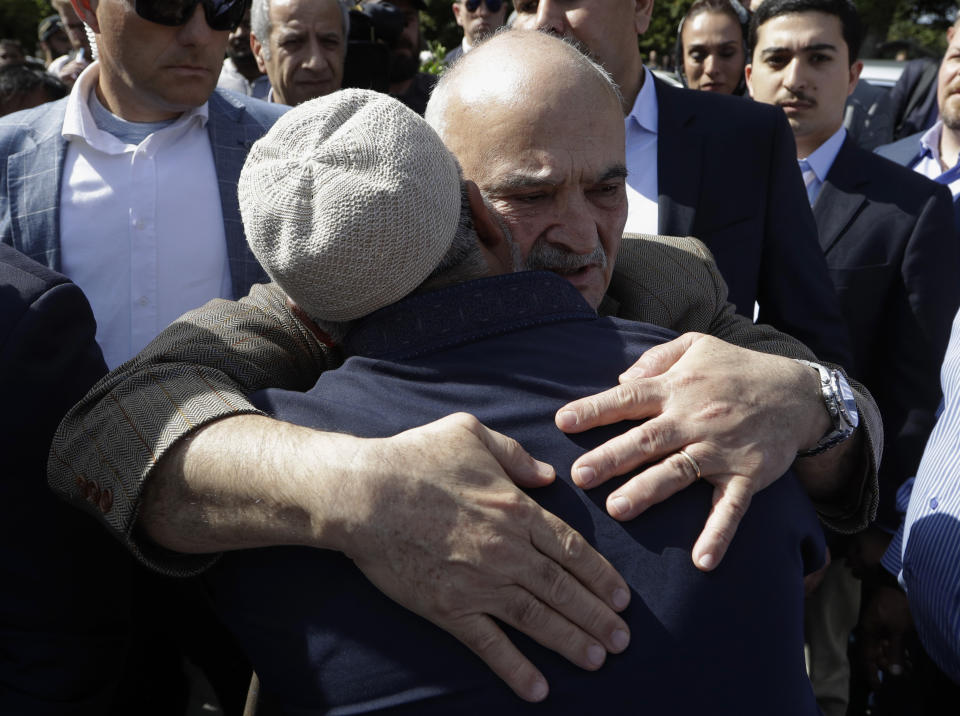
(78, 121)
(644, 111)
(822, 158)
(494, 305)
(930, 141)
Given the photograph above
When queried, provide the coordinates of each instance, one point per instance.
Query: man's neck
(128, 111)
(631, 82)
(949, 147)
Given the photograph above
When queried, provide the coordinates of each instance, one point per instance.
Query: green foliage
(19, 20)
(434, 65)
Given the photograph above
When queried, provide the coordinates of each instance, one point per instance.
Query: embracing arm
(196, 371)
(741, 414)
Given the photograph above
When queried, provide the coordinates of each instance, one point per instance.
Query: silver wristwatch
(841, 405)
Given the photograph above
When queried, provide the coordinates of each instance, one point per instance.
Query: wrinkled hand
(741, 415)
(457, 542)
(885, 624)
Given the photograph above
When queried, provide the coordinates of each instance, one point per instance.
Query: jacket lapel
(679, 161)
(34, 177)
(840, 198)
(230, 140)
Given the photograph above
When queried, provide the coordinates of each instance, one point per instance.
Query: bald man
(243, 481)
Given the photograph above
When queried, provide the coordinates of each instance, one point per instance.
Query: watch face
(847, 402)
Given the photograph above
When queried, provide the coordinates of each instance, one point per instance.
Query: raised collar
(466, 312)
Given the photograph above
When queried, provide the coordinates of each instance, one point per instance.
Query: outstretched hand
(739, 414)
(457, 542)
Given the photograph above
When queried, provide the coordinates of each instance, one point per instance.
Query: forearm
(249, 481)
(198, 370)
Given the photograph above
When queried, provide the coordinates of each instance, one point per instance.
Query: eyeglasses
(492, 5)
(221, 15)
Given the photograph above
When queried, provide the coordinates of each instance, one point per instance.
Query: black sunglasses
(492, 5)
(221, 15)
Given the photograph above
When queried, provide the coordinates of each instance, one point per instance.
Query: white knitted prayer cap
(349, 202)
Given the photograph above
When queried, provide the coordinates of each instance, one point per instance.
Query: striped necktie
(809, 180)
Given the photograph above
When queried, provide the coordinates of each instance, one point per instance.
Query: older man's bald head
(518, 69)
(539, 127)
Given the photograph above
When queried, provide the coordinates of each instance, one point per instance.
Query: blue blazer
(32, 153)
(728, 174)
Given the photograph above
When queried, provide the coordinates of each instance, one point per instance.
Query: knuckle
(526, 612)
(486, 642)
(558, 583)
(572, 544)
(649, 438)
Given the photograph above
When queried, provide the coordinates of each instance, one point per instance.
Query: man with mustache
(711, 167)
(889, 241)
(301, 45)
(405, 260)
(214, 475)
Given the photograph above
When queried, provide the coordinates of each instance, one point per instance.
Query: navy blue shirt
(511, 350)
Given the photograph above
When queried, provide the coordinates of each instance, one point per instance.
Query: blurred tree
(19, 19)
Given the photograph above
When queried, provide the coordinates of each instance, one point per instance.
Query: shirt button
(143, 300)
(933, 503)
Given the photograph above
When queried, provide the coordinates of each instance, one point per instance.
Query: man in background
(479, 19)
(300, 45)
(240, 71)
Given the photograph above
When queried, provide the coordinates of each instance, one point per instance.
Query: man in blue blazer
(119, 186)
(717, 168)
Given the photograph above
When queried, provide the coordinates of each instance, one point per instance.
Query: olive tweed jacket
(203, 366)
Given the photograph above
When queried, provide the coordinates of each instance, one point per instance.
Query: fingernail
(538, 692)
(621, 598)
(620, 505)
(706, 561)
(620, 639)
(566, 419)
(585, 476)
(596, 654)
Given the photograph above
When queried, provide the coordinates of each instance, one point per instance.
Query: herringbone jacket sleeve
(674, 282)
(198, 370)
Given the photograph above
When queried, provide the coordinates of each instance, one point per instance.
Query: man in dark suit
(65, 606)
(479, 19)
(889, 242)
(143, 122)
(712, 167)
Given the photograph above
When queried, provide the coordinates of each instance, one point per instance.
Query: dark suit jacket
(64, 605)
(727, 174)
(913, 99)
(889, 240)
(455, 54)
(32, 153)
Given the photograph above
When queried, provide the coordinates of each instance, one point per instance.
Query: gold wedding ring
(693, 463)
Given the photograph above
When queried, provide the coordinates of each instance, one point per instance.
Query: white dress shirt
(232, 79)
(820, 161)
(141, 226)
(929, 164)
(641, 130)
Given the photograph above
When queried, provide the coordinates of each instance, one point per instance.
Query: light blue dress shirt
(820, 161)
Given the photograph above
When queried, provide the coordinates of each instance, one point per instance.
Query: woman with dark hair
(711, 46)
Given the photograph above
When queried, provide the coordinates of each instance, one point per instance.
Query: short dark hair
(844, 9)
(734, 10)
(21, 79)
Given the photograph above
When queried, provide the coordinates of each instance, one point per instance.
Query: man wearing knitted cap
(425, 276)
(432, 515)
